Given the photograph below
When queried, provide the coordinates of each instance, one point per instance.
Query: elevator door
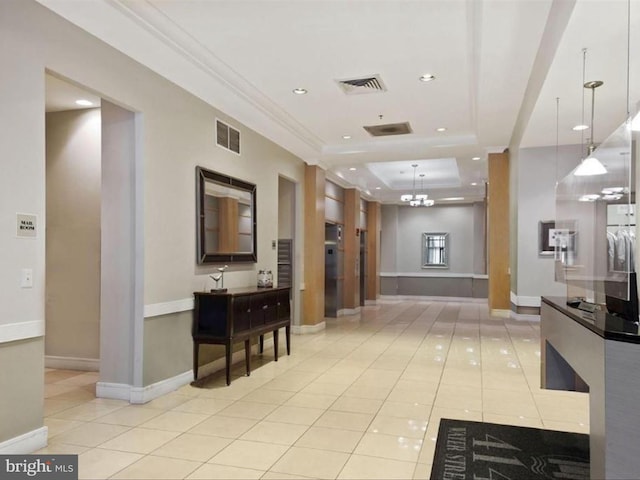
(332, 269)
(363, 268)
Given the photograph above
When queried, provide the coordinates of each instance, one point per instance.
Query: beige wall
(72, 289)
(22, 387)
(175, 132)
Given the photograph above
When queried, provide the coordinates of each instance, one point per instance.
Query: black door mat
(477, 450)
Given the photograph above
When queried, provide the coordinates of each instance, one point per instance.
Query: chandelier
(417, 199)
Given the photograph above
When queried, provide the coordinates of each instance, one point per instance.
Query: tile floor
(360, 400)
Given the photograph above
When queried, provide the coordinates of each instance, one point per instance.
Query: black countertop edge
(601, 323)
(243, 290)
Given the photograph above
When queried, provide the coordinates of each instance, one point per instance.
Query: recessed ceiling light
(378, 188)
(299, 91)
(353, 169)
(579, 128)
(346, 137)
(84, 103)
(475, 158)
(441, 129)
(427, 77)
(474, 183)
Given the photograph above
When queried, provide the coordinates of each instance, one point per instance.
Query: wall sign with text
(26, 225)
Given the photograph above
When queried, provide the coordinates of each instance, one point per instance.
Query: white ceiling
(499, 66)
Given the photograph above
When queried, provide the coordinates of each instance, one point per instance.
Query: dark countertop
(604, 324)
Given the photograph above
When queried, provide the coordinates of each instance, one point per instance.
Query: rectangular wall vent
(389, 129)
(227, 137)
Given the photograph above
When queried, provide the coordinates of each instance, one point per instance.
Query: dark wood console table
(240, 314)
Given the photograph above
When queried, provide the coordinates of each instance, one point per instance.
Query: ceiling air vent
(356, 86)
(389, 129)
(227, 137)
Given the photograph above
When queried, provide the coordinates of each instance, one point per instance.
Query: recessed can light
(579, 128)
(353, 169)
(299, 91)
(427, 77)
(84, 103)
(441, 129)
(475, 158)
(474, 183)
(378, 188)
(346, 137)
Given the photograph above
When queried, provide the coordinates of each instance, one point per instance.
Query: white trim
(10, 332)
(433, 275)
(522, 301)
(166, 308)
(25, 443)
(524, 317)
(306, 329)
(72, 363)
(122, 391)
(368, 303)
(500, 312)
(427, 298)
(348, 311)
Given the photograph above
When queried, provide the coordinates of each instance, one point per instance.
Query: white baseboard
(138, 395)
(523, 301)
(307, 329)
(25, 443)
(11, 332)
(72, 363)
(348, 311)
(502, 313)
(369, 303)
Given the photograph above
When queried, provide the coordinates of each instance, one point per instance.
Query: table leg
(247, 355)
(288, 336)
(261, 343)
(275, 344)
(228, 353)
(196, 347)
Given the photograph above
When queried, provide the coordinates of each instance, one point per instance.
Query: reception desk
(598, 353)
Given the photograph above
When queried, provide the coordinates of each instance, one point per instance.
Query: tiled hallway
(360, 400)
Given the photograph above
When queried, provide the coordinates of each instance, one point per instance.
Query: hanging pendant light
(412, 197)
(591, 165)
(417, 199)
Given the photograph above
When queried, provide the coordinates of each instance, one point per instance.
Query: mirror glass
(435, 250)
(226, 218)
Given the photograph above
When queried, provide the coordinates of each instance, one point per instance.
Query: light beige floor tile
(297, 415)
(54, 405)
(411, 396)
(206, 406)
(273, 432)
(168, 401)
(576, 427)
(246, 454)
(55, 448)
(57, 426)
(262, 395)
(365, 467)
(325, 388)
(100, 464)
(224, 472)
(53, 389)
(563, 408)
(131, 416)
(91, 434)
(416, 411)
(139, 440)
(86, 412)
(509, 402)
(505, 381)
(358, 422)
(188, 446)
(231, 392)
(356, 405)
(401, 427)
(86, 378)
(311, 462)
(368, 392)
(457, 397)
(175, 421)
(311, 400)
(282, 476)
(422, 471)
(253, 410)
(389, 446)
(512, 420)
(227, 427)
(158, 468)
(335, 439)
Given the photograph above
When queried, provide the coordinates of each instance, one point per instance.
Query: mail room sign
(26, 225)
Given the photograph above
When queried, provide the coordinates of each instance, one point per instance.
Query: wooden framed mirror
(225, 218)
